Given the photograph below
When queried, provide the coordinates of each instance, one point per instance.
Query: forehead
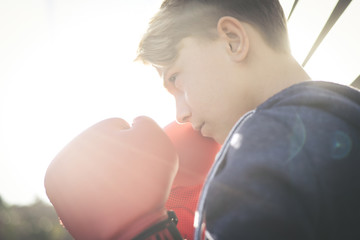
(193, 56)
(187, 47)
(165, 69)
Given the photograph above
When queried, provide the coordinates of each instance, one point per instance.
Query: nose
(183, 112)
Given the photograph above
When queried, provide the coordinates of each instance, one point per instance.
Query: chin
(219, 139)
(206, 133)
(210, 136)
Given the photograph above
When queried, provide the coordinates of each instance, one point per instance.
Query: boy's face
(210, 89)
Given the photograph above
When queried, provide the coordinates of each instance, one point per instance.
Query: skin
(216, 82)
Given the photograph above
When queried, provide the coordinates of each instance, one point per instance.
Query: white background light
(67, 64)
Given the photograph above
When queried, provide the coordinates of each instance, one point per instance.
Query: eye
(172, 78)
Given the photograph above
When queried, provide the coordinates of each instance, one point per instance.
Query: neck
(276, 73)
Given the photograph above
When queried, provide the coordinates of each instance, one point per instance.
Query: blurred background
(66, 64)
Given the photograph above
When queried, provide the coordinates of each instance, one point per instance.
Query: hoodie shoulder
(336, 99)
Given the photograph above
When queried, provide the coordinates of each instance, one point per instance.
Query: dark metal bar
(335, 15)
(292, 9)
(356, 83)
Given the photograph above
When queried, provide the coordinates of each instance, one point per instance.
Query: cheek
(205, 91)
(197, 98)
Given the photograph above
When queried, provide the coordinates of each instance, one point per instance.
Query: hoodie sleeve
(282, 177)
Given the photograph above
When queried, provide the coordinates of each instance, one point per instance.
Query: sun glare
(69, 72)
(66, 65)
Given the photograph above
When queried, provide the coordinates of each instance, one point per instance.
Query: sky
(67, 64)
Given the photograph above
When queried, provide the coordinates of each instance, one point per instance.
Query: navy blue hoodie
(289, 169)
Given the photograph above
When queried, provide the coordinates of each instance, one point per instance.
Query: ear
(233, 32)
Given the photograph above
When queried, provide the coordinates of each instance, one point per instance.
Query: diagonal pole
(356, 82)
(335, 15)
(292, 9)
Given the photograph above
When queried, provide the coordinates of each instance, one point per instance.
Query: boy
(291, 146)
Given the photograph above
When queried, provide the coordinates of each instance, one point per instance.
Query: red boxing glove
(112, 181)
(196, 156)
(196, 153)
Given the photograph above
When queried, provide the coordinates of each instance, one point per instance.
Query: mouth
(198, 127)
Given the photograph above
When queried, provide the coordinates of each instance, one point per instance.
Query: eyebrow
(163, 72)
(165, 82)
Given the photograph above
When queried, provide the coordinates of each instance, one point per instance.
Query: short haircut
(178, 19)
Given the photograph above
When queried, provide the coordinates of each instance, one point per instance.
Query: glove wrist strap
(163, 230)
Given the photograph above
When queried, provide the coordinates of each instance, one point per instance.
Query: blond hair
(178, 19)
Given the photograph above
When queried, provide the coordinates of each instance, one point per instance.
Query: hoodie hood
(338, 100)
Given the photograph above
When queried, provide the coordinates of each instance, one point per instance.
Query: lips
(198, 127)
